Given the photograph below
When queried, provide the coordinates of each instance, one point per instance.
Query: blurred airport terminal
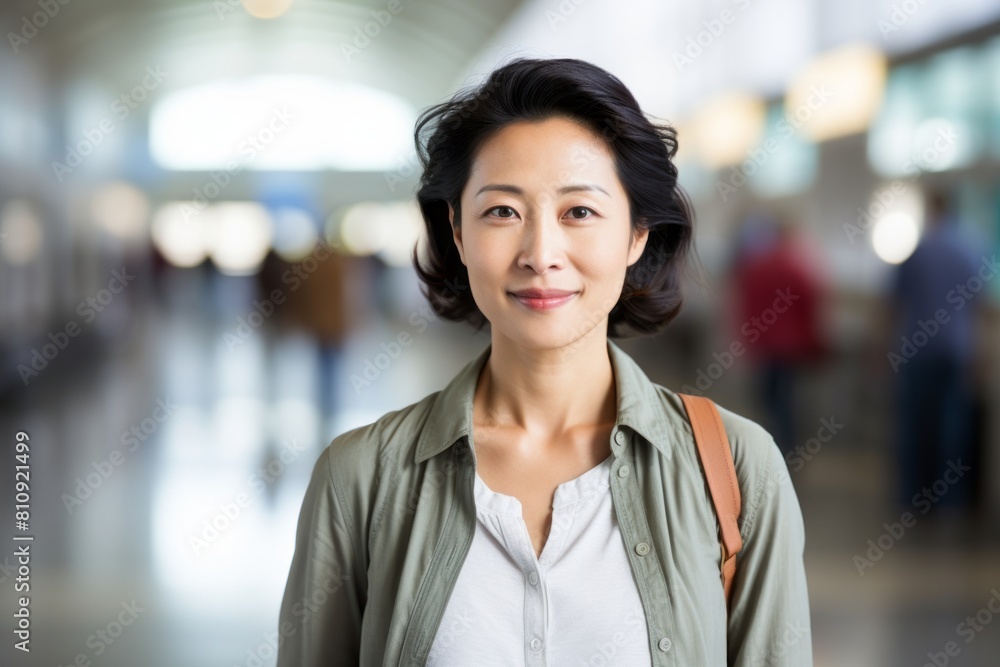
(206, 220)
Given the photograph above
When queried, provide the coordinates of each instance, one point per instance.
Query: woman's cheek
(605, 264)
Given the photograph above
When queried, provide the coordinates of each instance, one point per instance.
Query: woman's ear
(456, 233)
(639, 239)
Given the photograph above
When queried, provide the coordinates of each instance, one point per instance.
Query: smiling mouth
(543, 303)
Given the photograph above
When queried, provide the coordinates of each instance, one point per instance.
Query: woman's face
(543, 209)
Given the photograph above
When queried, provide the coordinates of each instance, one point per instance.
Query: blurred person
(755, 234)
(316, 303)
(937, 294)
(779, 299)
(550, 497)
(305, 296)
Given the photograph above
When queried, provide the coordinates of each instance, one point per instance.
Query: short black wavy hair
(448, 134)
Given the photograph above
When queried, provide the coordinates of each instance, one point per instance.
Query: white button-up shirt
(576, 604)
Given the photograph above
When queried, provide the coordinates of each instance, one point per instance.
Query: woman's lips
(541, 300)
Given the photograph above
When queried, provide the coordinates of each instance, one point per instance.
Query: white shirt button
(536, 644)
(533, 578)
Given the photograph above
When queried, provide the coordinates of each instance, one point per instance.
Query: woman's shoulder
(751, 444)
(758, 460)
(748, 439)
(366, 447)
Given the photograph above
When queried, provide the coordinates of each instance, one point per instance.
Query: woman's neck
(547, 393)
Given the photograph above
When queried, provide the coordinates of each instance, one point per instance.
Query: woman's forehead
(545, 155)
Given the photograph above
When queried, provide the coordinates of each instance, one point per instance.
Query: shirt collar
(640, 405)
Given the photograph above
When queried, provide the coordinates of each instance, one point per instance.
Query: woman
(547, 507)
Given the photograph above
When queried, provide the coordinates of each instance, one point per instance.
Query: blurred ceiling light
(890, 138)
(785, 163)
(838, 93)
(895, 236)
(239, 236)
(278, 122)
(20, 232)
(939, 144)
(266, 9)
(365, 228)
(295, 234)
(406, 225)
(934, 117)
(179, 234)
(726, 127)
(121, 209)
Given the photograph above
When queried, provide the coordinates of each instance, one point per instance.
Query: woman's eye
(504, 211)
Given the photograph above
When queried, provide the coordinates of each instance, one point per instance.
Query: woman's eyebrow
(513, 189)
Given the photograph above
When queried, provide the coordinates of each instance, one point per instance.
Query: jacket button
(665, 644)
(642, 548)
(620, 438)
(623, 471)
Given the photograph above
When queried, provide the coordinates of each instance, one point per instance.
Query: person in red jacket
(779, 302)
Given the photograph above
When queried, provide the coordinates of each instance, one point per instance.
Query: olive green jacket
(389, 515)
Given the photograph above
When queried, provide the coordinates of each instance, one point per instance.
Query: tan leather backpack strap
(717, 461)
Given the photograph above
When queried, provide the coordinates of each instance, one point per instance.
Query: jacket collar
(640, 406)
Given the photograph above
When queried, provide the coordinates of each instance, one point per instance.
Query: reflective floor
(168, 464)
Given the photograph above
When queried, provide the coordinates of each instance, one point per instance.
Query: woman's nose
(541, 246)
